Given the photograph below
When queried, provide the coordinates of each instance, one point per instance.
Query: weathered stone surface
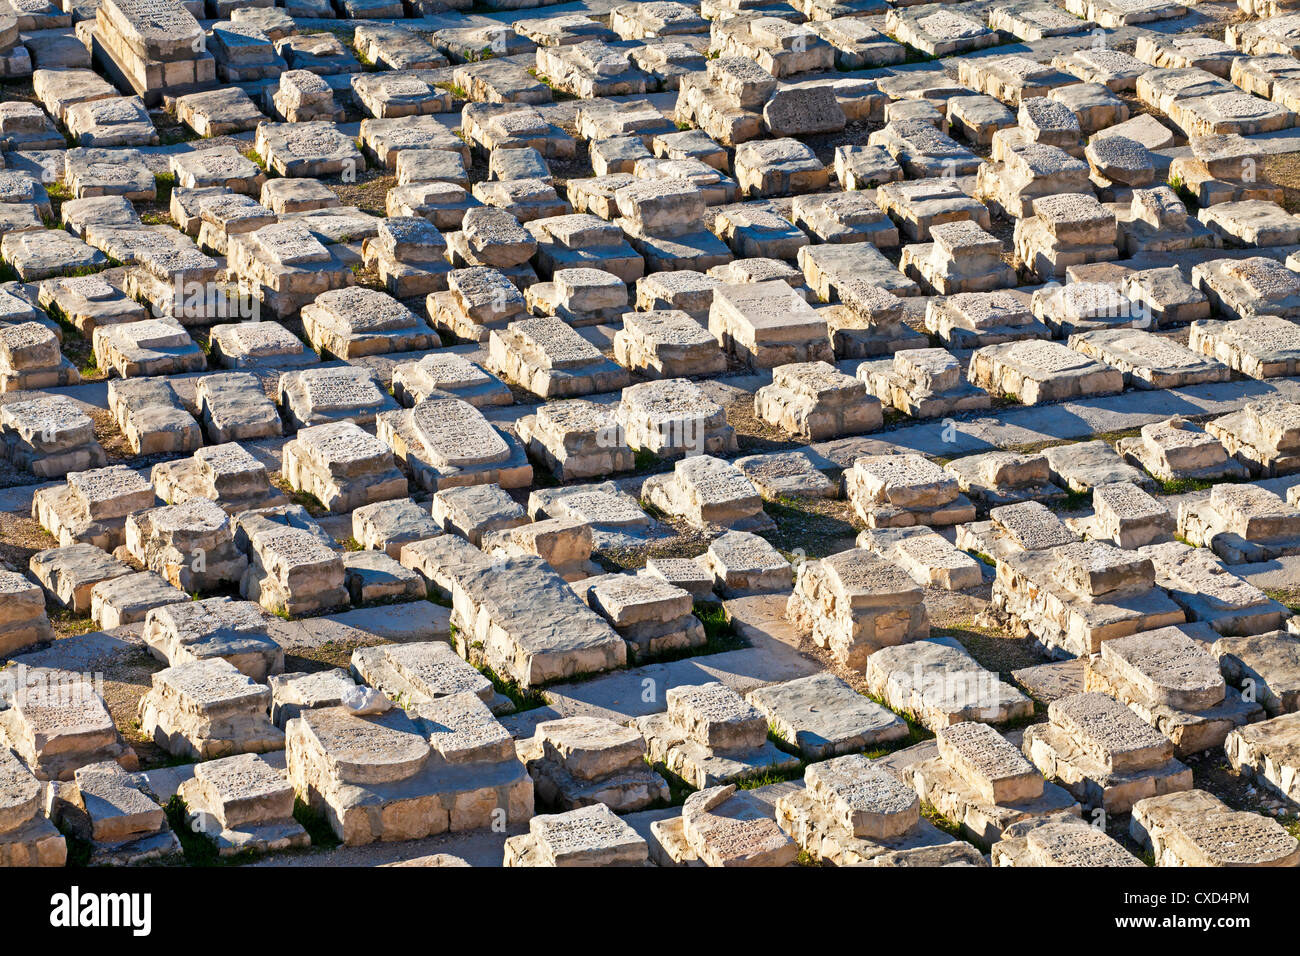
(179, 633)
(1195, 828)
(707, 491)
(532, 625)
(1035, 372)
(342, 466)
(1103, 753)
(1059, 841)
(983, 762)
(446, 443)
(823, 716)
(724, 826)
(894, 491)
(208, 709)
(586, 761)
(1266, 665)
(26, 837)
(57, 722)
(853, 603)
(1169, 678)
(590, 836)
(926, 555)
(447, 767)
(1267, 751)
(244, 803)
(1079, 360)
(939, 684)
(812, 401)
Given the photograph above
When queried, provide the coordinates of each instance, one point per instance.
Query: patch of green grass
(88, 270)
(718, 628)
(940, 821)
(1072, 501)
(314, 506)
(993, 647)
(1077, 500)
(543, 477)
(769, 776)
(913, 55)
(1111, 437)
(916, 733)
(678, 789)
(1184, 193)
(352, 544)
(1291, 824)
(1287, 597)
(65, 620)
(199, 850)
(305, 498)
(176, 134)
(164, 183)
(644, 460)
(1181, 486)
(253, 156)
(345, 34)
(558, 94)
(523, 699)
(808, 528)
(79, 849)
(892, 416)
(457, 91)
(653, 510)
(720, 636)
(317, 827)
(73, 341)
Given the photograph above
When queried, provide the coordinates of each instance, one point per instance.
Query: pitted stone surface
(456, 434)
(595, 391)
(868, 800)
(367, 750)
(997, 771)
(1109, 731)
(1168, 667)
(717, 716)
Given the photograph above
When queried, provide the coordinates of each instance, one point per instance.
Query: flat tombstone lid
(367, 750)
(456, 434)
